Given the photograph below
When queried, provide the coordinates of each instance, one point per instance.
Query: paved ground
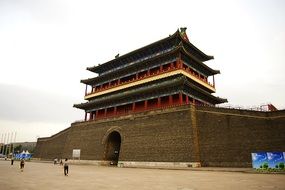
(42, 176)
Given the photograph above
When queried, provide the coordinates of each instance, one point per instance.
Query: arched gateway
(112, 147)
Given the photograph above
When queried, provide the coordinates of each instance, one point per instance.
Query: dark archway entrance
(112, 149)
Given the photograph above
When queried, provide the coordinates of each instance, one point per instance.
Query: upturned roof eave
(215, 98)
(197, 60)
(175, 50)
(94, 68)
(206, 57)
(126, 92)
(175, 35)
(177, 80)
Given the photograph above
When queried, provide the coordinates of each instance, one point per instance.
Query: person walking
(61, 163)
(12, 160)
(22, 164)
(65, 167)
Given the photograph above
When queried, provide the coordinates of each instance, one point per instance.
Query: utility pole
(10, 145)
(14, 141)
(4, 143)
(7, 144)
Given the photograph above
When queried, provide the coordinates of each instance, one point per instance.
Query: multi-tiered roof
(165, 73)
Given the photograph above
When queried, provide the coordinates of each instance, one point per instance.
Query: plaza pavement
(46, 176)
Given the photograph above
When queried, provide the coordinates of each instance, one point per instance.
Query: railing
(146, 76)
(264, 107)
(115, 115)
(141, 110)
(198, 77)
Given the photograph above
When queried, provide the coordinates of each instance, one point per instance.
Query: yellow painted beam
(149, 79)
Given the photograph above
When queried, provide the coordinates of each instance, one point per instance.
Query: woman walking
(65, 167)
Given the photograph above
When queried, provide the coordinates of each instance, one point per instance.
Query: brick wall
(52, 147)
(227, 137)
(145, 137)
(214, 136)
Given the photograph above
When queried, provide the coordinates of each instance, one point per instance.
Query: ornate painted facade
(166, 73)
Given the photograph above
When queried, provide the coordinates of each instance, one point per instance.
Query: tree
(18, 148)
(265, 165)
(281, 165)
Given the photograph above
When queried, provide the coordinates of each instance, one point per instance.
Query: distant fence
(264, 107)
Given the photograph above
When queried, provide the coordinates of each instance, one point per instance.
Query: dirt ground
(41, 176)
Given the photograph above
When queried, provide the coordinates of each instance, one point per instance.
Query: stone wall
(227, 137)
(150, 137)
(51, 147)
(212, 136)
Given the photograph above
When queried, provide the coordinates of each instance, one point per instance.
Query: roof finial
(183, 29)
(183, 33)
(117, 55)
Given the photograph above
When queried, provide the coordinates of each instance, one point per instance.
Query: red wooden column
(85, 119)
(180, 98)
(134, 107)
(137, 76)
(171, 65)
(90, 116)
(214, 81)
(119, 81)
(105, 112)
(160, 68)
(194, 102)
(148, 72)
(159, 102)
(177, 63)
(187, 99)
(170, 100)
(145, 105)
(96, 114)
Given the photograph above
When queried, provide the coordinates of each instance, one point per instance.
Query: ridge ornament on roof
(183, 33)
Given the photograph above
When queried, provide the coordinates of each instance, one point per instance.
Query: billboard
(76, 153)
(266, 160)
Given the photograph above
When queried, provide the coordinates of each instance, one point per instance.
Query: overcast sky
(45, 47)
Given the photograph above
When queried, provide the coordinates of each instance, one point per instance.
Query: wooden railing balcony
(151, 74)
(137, 111)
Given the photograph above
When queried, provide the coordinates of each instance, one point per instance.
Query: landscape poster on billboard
(275, 160)
(268, 160)
(259, 160)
